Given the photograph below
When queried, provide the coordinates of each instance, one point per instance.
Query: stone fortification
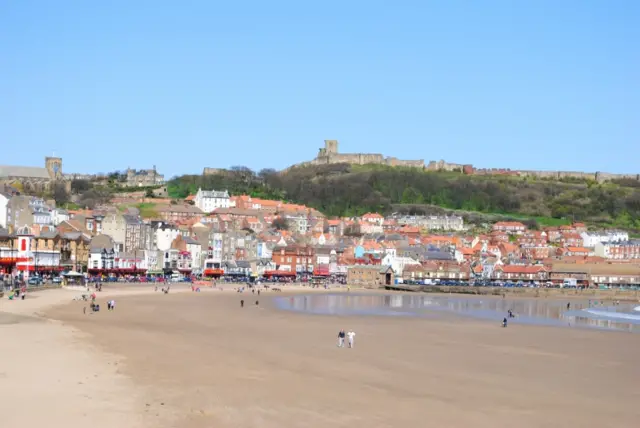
(595, 176)
(329, 154)
(214, 171)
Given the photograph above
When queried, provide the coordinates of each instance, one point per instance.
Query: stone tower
(54, 167)
(331, 147)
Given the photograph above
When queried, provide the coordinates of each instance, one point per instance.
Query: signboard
(8, 260)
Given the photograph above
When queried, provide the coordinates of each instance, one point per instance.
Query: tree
(149, 194)
(80, 185)
(60, 193)
(280, 223)
(94, 197)
(352, 230)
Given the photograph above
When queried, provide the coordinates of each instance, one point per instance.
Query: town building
(432, 222)
(294, 258)
(520, 273)
(144, 178)
(622, 250)
(4, 205)
(590, 239)
(175, 213)
(372, 276)
(163, 234)
(211, 200)
(510, 227)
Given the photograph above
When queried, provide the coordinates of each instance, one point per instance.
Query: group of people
(509, 315)
(350, 338)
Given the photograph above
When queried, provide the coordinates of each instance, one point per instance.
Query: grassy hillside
(343, 189)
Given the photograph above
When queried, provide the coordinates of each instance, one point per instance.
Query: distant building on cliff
(34, 179)
(329, 154)
(144, 177)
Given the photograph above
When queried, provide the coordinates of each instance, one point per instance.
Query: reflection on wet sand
(526, 311)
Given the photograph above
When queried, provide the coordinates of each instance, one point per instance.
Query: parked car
(35, 280)
(57, 280)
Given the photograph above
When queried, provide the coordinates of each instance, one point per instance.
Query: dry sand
(51, 375)
(199, 360)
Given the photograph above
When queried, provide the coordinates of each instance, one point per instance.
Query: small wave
(615, 315)
(637, 308)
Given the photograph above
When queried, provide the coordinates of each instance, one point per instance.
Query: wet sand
(203, 361)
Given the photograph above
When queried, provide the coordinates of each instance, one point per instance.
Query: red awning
(213, 272)
(13, 260)
(321, 271)
(32, 268)
(117, 270)
(279, 273)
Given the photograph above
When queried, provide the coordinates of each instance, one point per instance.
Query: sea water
(580, 313)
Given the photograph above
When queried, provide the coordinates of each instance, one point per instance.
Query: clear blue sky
(182, 85)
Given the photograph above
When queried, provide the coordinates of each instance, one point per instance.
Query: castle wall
(406, 163)
(444, 166)
(329, 154)
(606, 176)
(214, 171)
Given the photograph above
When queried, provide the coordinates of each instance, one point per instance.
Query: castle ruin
(329, 154)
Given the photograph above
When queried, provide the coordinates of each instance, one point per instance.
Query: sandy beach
(52, 374)
(199, 360)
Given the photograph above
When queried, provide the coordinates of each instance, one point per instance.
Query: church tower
(54, 167)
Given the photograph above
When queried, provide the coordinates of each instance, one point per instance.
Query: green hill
(347, 190)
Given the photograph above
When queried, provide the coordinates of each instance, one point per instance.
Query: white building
(102, 259)
(165, 233)
(210, 200)
(58, 215)
(264, 250)
(619, 250)
(590, 239)
(195, 249)
(398, 263)
(4, 202)
(433, 222)
(216, 240)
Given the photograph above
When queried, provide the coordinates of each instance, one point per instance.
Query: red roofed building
(571, 239)
(511, 227)
(575, 251)
(373, 218)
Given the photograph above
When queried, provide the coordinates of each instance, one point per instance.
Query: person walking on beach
(504, 322)
(109, 305)
(112, 304)
(242, 303)
(351, 336)
(340, 338)
(569, 306)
